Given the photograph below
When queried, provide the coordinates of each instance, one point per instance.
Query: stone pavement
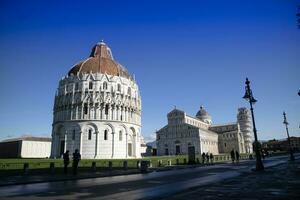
(40, 178)
(278, 182)
(29, 179)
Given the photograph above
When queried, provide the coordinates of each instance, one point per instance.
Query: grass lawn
(18, 164)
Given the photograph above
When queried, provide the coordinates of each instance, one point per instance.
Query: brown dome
(100, 61)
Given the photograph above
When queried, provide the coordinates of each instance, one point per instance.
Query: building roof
(100, 61)
(226, 124)
(28, 138)
(202, 114)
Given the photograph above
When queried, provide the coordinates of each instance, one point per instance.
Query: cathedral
(184, 132)
(97, 109)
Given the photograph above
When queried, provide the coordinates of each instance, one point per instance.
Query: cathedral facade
(97, 109)
(184, 132)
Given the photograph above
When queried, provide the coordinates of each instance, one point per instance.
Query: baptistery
(97, 109)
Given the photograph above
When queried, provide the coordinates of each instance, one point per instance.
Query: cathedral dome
(203, 115)
(100, 61)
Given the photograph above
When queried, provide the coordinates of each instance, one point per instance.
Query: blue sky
(183, 53)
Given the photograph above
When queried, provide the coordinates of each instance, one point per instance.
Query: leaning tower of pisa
(244, 120)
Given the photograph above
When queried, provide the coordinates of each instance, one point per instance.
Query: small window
(90, 85)
(120, 136)
(90, 135)
(105, 86)
(85, 109)
(121, 117)
(119, 88)
(73, 135)
(225, 144)
(105, 135)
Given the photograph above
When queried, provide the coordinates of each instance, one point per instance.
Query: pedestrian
(237, 156)
(211, 156)
(76, 159)
(207, 158)
(66, 161)
(263, 154)
(232, 155)
(203, 158)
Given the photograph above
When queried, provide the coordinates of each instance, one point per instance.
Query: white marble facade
(184, 131)
(97, 110)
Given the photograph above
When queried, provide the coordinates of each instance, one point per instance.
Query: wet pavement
(278, 182)
(143, 186)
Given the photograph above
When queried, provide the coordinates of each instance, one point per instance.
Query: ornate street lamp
(249, 97)
(292, 158)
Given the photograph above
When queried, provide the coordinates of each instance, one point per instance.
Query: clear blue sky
(183, 53)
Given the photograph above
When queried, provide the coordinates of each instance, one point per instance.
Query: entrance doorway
(62, 147)
(177, 150)
(191, 152)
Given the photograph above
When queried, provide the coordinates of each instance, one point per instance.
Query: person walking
(207, 158)
(211, 157)
(203, 158)
(76, 159)
(237, 156)
(66, 161)
(232, 155)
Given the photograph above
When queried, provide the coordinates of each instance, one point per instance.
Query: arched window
(90, 85)
(105, 135)
(120, 136)
(90, 134)
(119, 88)
(105, 86)
(106, 109)
(85, 109)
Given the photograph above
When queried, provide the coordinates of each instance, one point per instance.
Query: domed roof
(202, 112)
(100, 61)
(203, 115)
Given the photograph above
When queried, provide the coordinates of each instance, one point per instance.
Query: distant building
(151, 149)
(282, 145)
(184, 132)
(26, 147)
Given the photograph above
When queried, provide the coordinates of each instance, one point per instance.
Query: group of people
(76, 159)
(235, 156)
(207, 158)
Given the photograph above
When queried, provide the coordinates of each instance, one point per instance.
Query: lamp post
(292, 158)
(249, 97)
(299, 93)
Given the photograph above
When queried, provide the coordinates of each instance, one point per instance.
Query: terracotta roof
(100, 61)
